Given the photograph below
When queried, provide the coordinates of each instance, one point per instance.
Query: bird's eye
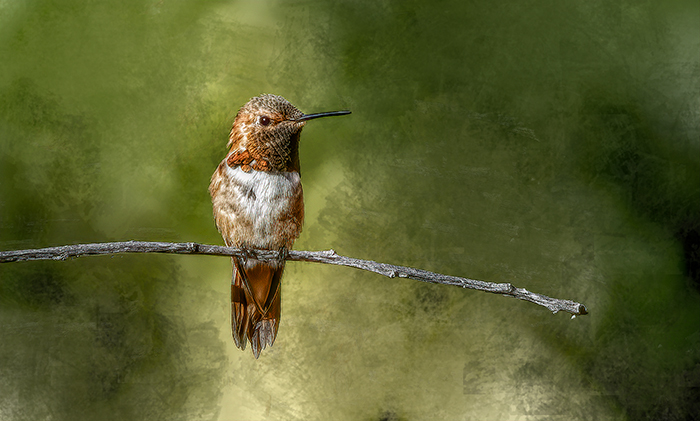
(264, 120)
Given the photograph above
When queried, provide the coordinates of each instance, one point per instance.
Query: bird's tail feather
(255, 303)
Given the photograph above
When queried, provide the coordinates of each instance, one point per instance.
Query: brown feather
(255, 303)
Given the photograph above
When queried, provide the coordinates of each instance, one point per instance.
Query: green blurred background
(551, 144)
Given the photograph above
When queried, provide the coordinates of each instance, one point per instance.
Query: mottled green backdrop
(551, 144)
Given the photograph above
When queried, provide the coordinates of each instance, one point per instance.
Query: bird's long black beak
(306, 117)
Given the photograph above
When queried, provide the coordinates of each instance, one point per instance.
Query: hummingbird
(258, 203)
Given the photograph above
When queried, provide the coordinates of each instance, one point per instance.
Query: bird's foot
(248, 252)
(282, 254)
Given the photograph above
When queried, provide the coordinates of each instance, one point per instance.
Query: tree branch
(329, 257)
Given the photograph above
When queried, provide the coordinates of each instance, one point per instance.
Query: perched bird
(258, 204)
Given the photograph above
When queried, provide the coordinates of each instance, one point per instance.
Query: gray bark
(328, 257)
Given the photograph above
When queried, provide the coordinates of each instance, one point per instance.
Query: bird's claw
(282, 253)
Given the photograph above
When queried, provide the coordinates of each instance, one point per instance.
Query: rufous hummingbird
(258, 204)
